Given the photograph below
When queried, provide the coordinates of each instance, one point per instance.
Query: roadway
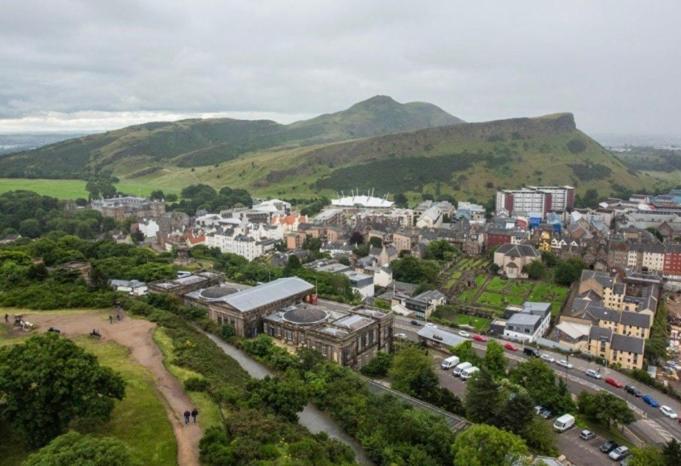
(651, 427)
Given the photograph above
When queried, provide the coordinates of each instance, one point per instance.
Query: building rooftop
(627, 344)
(431, 332)
(268, 293)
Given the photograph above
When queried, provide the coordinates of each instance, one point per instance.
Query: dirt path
(136, 334)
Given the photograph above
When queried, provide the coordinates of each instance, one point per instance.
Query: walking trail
(136, 334)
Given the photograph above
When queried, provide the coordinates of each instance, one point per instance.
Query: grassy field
(73, 189)
(139, 419)
(210, 412)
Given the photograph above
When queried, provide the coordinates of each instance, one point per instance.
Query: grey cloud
(613, 63)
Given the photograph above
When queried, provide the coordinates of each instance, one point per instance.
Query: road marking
(661, 431)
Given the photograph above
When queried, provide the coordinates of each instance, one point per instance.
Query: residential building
(535, 200)
(512, 258)
(185, 284)
(529, 322)
(122, 207)
(131, 287)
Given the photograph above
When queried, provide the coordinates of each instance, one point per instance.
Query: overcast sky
(99, 64)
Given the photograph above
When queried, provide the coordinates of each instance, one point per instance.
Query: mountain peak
(377, 100)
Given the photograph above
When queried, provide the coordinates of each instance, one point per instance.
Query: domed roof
(215, 292)
(305, 315)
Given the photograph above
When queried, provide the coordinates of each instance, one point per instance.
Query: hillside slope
(467, 160)
(191, 143)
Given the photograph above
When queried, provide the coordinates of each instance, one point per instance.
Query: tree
(440, 250)
(647, 456)
(376, 242)
(286, 396)
(516, 414)
(292, 264)
(412, 270)
(172, 197)
(483, 398)
(157, 195)
(541, 384)
(569, 271)
(656, 233)
(77, 449)
(465, 352)
(379, 366)
(540, 436)
(412, 372)
(30, 228)
(483, 445)
(48, 381)
(535, 270)
(494, 360)
(656, 345)
(672, 452)
(605, 408)
(401, 200)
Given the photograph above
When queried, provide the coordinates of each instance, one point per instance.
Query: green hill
(191, 143)
(467, 160)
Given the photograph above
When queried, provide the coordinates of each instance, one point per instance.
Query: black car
(546, 413)
(608, 446)
(415, 322)
(633, 391)
(531, 352)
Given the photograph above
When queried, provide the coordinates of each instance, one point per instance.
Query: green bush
(196, 384)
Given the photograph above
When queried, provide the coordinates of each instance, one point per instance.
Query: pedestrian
(110, 319)
(186, 416)
(195, 412)
(6, 317)
(118, 316)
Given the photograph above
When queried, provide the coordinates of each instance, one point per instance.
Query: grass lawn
(467, 295)
(210, 411)
(550, 292)
(73, 189)
(492, 299)
(139, 419)
(496, 284)
(480, 280)
(453, 278)
(478, 323)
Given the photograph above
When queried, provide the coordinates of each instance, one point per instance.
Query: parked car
(619, 453)
(480, 338)
(547, 357)
(538, 409)
(614, 382)
(546, 413)
(651, 401)
(633, 391)
(464, 334)
(565, 364)
(531, 352)
(667, 411)
(461, 367)
(416, 322)
(564, 422)
(401, 336)
(586, 434)
(608, 446)
(593, 373)
(510, 347)
(468, 373)
(450, 362)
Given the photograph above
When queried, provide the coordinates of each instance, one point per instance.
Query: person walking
(186, 417)
(195, 412)
(110, 319)
(6, 318)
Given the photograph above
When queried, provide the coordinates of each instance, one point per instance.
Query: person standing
(195, 412)
(186, 417)
(110, 319)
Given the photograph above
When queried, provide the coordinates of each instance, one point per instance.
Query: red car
(614, 382)
(479, 338)
(510, 347)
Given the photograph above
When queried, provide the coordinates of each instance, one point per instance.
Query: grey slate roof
(518, 250)
(628, 344)
(636, 319)
(598, 333)
(268, 293)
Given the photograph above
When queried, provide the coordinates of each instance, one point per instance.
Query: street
(651, 425)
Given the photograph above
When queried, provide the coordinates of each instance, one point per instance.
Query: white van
(564, 422)
(449, 362)
(468, 373)
(461, 367)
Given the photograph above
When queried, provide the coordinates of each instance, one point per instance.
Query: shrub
(196, 384)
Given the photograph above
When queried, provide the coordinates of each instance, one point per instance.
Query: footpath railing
(454, 422)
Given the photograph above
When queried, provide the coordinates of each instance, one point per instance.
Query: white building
(430, 218)
(365, 201)
(361, 283)
(131, 287)
(149, 228)
(529, 322)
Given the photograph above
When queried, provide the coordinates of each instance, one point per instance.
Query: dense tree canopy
(74, 449)
(48, 381)
(203, 197)
(413, 270)
(542, 385)
(484, 445)
(605, 408)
